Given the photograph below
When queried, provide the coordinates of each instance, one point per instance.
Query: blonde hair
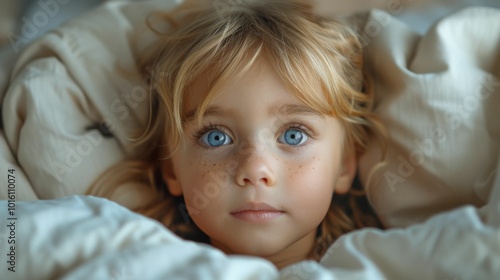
(319, 60)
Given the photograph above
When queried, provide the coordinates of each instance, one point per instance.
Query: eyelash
(302, 127)
(197, 134)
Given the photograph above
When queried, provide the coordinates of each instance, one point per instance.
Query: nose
(255, 168)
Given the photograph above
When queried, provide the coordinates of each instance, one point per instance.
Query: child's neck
(294, 253)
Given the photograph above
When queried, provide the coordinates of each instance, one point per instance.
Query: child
(260, 111)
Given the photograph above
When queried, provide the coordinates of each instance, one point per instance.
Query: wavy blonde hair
(319, 60)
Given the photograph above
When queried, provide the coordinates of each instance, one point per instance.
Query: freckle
(300, 166)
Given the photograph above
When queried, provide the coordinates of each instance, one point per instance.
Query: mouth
(257, 212)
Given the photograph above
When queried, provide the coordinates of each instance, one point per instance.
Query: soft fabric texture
(436, 94)
(93, 238)
(67, 86)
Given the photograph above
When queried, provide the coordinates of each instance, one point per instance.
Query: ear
(347, 173)
(169, 175)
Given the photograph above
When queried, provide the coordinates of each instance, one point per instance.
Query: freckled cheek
(205, 185)
(311, 184)
(303, 169)
(201, 171)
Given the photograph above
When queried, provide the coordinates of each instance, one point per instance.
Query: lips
(257, 212)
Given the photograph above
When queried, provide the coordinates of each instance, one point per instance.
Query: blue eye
(293, 137)
(216, 138)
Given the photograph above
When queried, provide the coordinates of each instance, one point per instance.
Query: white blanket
(83, 237)
(94, 238)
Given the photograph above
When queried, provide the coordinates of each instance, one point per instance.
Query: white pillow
(439, 96)
(66, 86)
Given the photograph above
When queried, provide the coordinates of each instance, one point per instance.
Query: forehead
(259, 81)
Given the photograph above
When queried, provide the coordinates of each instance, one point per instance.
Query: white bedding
(93, 238)
(444, 214)
(84, 238)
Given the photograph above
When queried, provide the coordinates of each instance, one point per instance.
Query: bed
(438, 92)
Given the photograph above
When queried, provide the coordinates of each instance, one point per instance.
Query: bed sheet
(94, 238)
(81, 237)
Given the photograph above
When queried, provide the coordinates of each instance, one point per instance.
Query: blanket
(82, 237)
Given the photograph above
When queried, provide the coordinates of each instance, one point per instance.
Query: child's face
(259, 174)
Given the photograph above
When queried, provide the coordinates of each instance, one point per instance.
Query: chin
(258, 249)
(259, 252)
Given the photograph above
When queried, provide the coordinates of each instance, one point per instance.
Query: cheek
(205, 185)
(311, 184)
(203, 182)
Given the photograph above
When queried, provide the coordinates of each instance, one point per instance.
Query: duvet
(84, 237)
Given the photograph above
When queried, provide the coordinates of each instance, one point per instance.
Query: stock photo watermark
(222, 6)
(31, 27)
(221, 179)
(381, 19)
(75, 154)
(121, 272)
(453, 120)
(9, 231)
(123, 107)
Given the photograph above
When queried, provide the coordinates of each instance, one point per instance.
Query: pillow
(438, 96)
(71, 86)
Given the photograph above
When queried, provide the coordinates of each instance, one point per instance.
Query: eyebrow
(211, 111)
(292, 109)
(283, 110)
